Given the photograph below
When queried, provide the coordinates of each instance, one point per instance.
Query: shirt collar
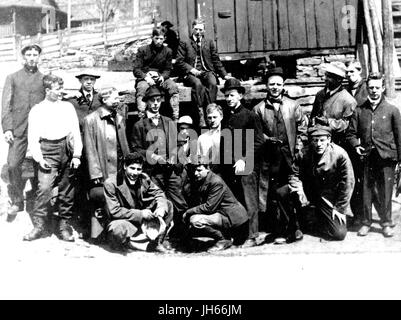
(237, 109)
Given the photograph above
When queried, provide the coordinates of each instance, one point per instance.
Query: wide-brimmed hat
(152, 92)
(319, 130)
(30, 47)
(153, 228)
(337, 69)
(233, 84)
(167, 24)
(89, 74)
(277, 71)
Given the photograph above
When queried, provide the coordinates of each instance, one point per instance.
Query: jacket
(186, 57)
(149, 58)
(100, 143)
(124, 202)
(215, 196)
(361, 93)
(22, 90)
(331, 177)
(380, 128)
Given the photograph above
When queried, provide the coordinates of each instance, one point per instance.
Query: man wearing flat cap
(333, 105)
(321, 182)
(284, 132)
(22, 90)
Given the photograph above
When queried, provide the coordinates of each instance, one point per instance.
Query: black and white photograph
(202, 150)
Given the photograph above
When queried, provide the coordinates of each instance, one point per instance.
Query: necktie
(88, 97)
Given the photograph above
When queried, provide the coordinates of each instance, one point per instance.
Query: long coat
(22, 90)
(186, 57)
(101, 144)
(215, 196)
(380, 128)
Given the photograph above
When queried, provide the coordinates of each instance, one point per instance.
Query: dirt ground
(312, 268)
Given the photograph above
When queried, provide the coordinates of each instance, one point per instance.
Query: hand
(239, 166)
(302, 198)
(147, 214)
(150, 81)
(360, 150)
(195, 72)
(44, 164)
(160, 80)
(340, 216)
(9, 137)
(159, 212)
(75, 163)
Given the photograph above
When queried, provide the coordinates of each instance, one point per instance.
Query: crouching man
(219, 214)
(321, 183)
(140, 212)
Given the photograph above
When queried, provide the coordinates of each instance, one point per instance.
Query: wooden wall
(241, 26)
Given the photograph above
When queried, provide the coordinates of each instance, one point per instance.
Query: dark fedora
(277, 71)
(233, 84)
(151, 92)
(89, 74)
(167, 24)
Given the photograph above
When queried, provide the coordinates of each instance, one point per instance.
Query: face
(133, 171)
(164, 28)
(154, 103)
(320, 144)
(200, 173)
(113, 100)
(214, 119)
(375, 89)
(88, 82)
(55, 93)
(233, 98)
(198, 30)
(31, 58)
(353, 74)
(158, 41)
(275, 86)
(332, 82)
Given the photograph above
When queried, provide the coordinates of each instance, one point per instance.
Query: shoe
(221, 245)
(296, 236)
(388, 232)
(363, 231)
(38, 231)
(249, 244)
(65, 231)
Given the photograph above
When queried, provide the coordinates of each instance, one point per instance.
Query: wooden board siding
(225, 29)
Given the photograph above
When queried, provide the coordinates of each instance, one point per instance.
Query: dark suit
(22, 90)
(360, 93)
(379, 132)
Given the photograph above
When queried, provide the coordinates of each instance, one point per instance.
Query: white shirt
(209, 145)
(53, 121)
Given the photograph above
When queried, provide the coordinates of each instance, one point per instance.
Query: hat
(153, 228)
(274, 72)
(31, 46)
(151, 92)
(233, 84)
(319, 130)
(167, 24)
(185, 120)
(89, 74)
(336, 68)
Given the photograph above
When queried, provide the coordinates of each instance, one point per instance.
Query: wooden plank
(342, 37)
(241, 22)
(353, 31)
(325, 24)
(310, 23)
(225, 27)
(255, 25)
(269, 26)
(206, 9)
(283, 27)
(297, 24)
(191, 11)
(182, 16)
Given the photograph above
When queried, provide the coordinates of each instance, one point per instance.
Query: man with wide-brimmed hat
(320, 185)
(241, 174)
(22, 90)
(333, 104)
(284, 132)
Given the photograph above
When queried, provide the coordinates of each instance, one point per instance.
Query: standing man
(106, 145)
(247, 139)
(333, 105)
(356, 84)
(199, 64)
(321, 181)
(375, 133)
(55, 143)
(284, 132)
(22, 90)
(152, 66)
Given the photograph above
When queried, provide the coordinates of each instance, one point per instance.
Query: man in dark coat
(199, 64)
(321, 182)
(218, 212)
(375, 133)
(155, 138)
(356, 84)
(152, 66)
(105, 145)
(241, 174)
(284, 130)
(171, 38)
(22, 90)
(140, 213)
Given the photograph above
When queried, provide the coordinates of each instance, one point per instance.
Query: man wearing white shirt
(55, 142)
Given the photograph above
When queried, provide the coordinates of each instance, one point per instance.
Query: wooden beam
(371, 41)
(388, 48)
(377, 34)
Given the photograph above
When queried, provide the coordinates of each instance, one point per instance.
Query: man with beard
(152, 67)
(22, 90)
(284, 131)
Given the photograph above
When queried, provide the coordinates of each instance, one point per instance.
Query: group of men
(163, 186)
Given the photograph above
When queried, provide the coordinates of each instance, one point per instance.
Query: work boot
(175, 105)
(39, 229)
(65, 231)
